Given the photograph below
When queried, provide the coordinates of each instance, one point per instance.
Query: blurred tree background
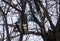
(29, 20)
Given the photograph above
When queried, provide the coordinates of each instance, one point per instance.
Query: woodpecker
(25, 28)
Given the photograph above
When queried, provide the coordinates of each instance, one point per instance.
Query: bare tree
(36, 7)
